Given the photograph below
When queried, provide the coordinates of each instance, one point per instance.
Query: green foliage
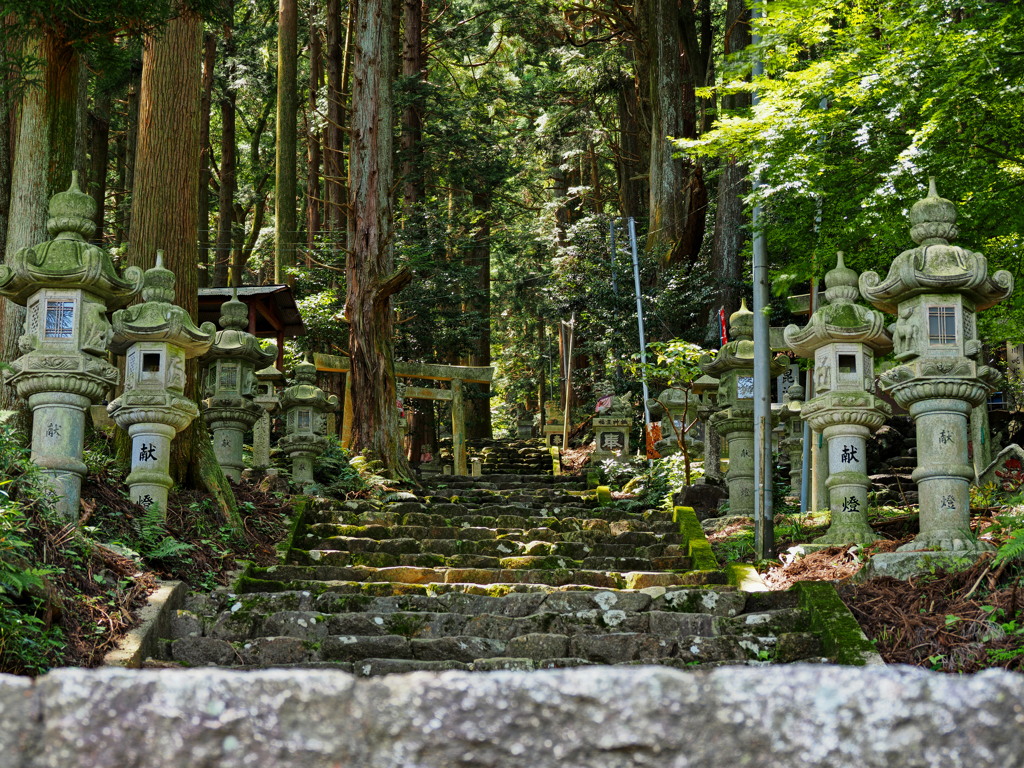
(336, 473)
(861, 101)
(28, 644)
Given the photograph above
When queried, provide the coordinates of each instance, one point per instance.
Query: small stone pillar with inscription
(936, 291)
(733, 366)
(553, 424)
(305, 408)
(612, 422)
(156, 338)
(842, 338)
(267, 382)
(230, 384)
(67, 285)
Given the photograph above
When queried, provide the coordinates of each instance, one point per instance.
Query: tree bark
(730, 222)
(414, 66)
(287, 107)
(205, 104)
(678, 201)
(228, 167)
(370, 266)
(478, 409)
(43, 160)
(166, 210)
(313, 138)
(99, 155)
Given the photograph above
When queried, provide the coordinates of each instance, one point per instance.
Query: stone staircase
(894, 484)
(509, 571)
(505, 457)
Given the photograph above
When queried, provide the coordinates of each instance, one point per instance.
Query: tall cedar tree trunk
(628, 155)
(730, 223)
(99, 155)
(478, 409)
(313, 138)
(414, 65)
(6, 129)
(370, 266)
(43, 159)
(205, 103)
(228, 166)
(334, 196)
(166, 210)
(287, 146)
(673, 183)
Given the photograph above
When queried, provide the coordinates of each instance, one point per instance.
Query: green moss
(702, 558)
(841, 636)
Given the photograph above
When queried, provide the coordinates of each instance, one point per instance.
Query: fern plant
(1012, 548)
(155, 543)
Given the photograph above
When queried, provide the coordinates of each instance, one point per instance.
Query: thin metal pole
(764, 529)
(568, 383)
(615, 282)
(640, 322)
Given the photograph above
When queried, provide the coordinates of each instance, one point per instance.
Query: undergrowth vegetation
(68, 589)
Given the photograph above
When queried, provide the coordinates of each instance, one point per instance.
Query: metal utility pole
(764, 528)
(640, 323)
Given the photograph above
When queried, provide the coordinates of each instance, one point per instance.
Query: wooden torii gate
(458, 375)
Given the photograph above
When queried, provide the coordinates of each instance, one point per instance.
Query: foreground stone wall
(806, 716)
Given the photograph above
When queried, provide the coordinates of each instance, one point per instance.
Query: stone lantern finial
(741, 322)
(841, 283)
(234, 313)
(933, 218)
(71, 213)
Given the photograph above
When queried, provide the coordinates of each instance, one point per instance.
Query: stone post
(936, 291)
(553, 424)
(67, 285)
(612, 423)
(733, 366)
(156, 338)
(230, 375)
(842, 338)
(267, 382)
(305, 408)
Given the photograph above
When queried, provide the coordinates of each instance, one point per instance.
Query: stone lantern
(675, 411)
(305, 407)
(842, 338)
(156, 338)
(733, 366)
(706, 389)
(793, 442)
(267, 382)
(936, 291)
(68, 285)
(230, 376)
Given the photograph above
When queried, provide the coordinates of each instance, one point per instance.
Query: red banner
(653, 436)
(721, 320)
